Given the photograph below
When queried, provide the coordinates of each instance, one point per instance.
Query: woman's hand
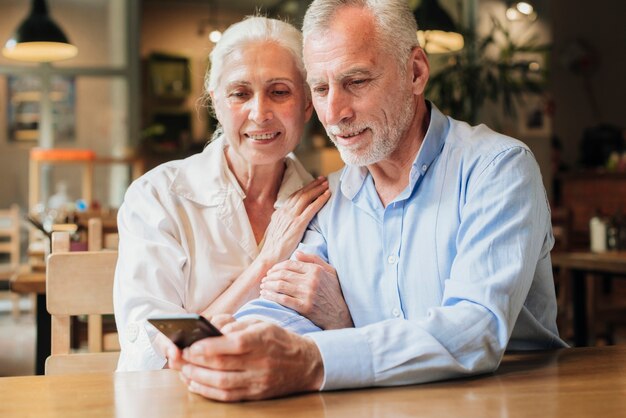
(309, 286)
(289, 222)
(283, 234)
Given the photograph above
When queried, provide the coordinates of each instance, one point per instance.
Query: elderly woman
(198, 235)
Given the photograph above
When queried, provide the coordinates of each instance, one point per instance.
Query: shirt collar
(205, 178)
(353, 177)
(294, 178)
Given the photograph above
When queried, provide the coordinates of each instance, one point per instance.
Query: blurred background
(75, 132)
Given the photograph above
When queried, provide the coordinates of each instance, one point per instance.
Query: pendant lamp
(38, 38)
(437, 32)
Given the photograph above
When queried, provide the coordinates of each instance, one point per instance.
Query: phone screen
(184, 329)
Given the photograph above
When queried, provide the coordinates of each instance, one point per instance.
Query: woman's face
(261, 103)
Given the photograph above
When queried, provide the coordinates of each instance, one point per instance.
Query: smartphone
(184, 329)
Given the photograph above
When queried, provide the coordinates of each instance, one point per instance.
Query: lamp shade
(437, 32)
(38, 38)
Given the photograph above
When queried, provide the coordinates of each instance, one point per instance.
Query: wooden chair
(98, 240)
(10, 244)
(77, 283)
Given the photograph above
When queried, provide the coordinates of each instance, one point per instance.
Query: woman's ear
(213, 106)
(419, 70)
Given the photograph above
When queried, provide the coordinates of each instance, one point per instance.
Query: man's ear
(419, 70)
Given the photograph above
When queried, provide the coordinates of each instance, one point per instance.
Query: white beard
(384, 137)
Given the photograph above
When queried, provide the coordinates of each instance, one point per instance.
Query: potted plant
(494, 67)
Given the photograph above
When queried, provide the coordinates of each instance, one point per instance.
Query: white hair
(252, 29)
(396, 29)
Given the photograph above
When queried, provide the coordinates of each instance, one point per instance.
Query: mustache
(344, 129)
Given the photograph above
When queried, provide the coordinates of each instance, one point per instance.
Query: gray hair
(251, 30)
(396, 29)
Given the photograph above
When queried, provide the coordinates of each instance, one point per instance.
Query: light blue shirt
(448, 276)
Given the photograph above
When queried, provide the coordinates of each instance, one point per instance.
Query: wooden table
(577, 382)
(580, 265)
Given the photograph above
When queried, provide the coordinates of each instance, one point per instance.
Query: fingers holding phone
(184, 329)
(181, 330)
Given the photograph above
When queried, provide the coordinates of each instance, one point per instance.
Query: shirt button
(395, 312)
(424, 167)
(132, 331)
(391, 259)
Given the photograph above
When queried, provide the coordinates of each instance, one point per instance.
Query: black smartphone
(184, 329)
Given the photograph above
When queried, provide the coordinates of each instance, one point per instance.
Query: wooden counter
(580, 382)
(583, 270)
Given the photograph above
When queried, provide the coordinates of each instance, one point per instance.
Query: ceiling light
(520, 10)
(215, 36)
(38, 38)
(437, 32)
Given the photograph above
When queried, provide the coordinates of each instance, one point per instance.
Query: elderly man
(439, 233)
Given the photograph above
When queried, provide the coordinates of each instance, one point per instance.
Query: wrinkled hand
(252, 360)
(309, 286)
(163, 345)
(289, 222)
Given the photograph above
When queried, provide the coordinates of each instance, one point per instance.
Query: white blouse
(184, 238)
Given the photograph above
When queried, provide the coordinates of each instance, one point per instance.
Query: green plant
(494, 67)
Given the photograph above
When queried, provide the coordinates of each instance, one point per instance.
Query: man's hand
(252, 360)
(175, 356)
(310, 287)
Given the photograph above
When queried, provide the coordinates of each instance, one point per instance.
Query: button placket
(392, 235)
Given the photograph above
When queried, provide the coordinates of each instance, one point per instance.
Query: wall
(600, 24)
(13, 157)
(86, 25)
(168, 28)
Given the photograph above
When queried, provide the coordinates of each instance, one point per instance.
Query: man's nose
(338, 107)
(260, 110)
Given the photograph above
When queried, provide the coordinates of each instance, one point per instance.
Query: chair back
(78, 283)
(10, 236)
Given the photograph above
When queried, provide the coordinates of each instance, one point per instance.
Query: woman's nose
(260, 110)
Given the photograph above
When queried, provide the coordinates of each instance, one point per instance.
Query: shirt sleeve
(312, 243)
(149, 278)
(502, 235)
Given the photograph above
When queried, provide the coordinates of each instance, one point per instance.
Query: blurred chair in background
(10, 244)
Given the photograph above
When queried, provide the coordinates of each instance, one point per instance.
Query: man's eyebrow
(351, 73)
(355, 72)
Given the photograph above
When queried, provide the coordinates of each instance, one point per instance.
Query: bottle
(597, 233)
(614, 231)
(615, 235)
(612, 235)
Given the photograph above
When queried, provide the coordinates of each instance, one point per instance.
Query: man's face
(361, 97)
